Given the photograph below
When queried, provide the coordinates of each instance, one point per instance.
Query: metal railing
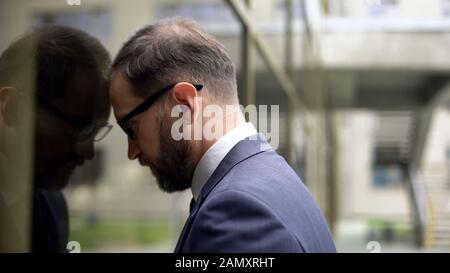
(419, 202)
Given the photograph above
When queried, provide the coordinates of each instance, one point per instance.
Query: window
(280, 10)
(446, 8)
(95, 22)
(204, 12)
(386, 176)
(382, 8)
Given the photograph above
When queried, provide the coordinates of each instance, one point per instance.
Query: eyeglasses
(124, 122)
(86, 130)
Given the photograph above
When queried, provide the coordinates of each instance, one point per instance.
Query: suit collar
(245, 149)
(216, 153)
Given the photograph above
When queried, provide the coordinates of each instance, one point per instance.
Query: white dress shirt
(216, 153)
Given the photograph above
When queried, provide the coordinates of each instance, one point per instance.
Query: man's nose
(86, 150)
(133, 149)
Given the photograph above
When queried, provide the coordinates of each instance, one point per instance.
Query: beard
(174, 168)
(55, 175)
(54, 179)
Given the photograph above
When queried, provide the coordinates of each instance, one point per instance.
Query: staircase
(393, 137)
(436, 179)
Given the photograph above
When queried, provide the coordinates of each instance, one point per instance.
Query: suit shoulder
(267, 183)
(227, 221)
(264, 175)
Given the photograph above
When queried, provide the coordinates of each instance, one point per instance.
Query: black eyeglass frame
(87, 129)
(144, 107)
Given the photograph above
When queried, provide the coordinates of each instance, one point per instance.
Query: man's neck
(229, 121)
(211, 159)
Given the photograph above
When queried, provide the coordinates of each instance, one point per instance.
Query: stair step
(441, 242)
(438, 216)
(438, 194)
(432, 176)
(441, 223)
(441, 237)
(439, 248)
(441, 219)
(442, 228)
(437, 185)
(441, 215)
(431, 179)
(441, 207)
(440, 203)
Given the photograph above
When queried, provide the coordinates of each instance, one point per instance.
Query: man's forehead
(123, 98)
(84, 94)
(119, 82)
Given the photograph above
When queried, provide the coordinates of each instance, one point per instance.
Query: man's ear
(9, 104)
(185, 93)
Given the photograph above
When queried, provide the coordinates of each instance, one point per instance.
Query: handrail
(419, 198)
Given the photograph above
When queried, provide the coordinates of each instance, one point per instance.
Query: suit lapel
(246, 148)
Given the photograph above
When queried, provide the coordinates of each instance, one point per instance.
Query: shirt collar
(216, 153)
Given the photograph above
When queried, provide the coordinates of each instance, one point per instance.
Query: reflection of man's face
(57, 149)
(169, 160)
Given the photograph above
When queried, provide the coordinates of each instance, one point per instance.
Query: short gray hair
(173, 50)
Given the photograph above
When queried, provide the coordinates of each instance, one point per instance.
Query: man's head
(72, 102)
(175, 56)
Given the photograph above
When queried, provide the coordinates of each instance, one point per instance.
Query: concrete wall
(438, 142)
(357, 194)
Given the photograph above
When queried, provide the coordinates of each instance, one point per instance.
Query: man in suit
(71, 113)
(246, 198)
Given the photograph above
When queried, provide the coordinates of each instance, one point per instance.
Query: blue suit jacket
(50, 222)
(255, 202)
